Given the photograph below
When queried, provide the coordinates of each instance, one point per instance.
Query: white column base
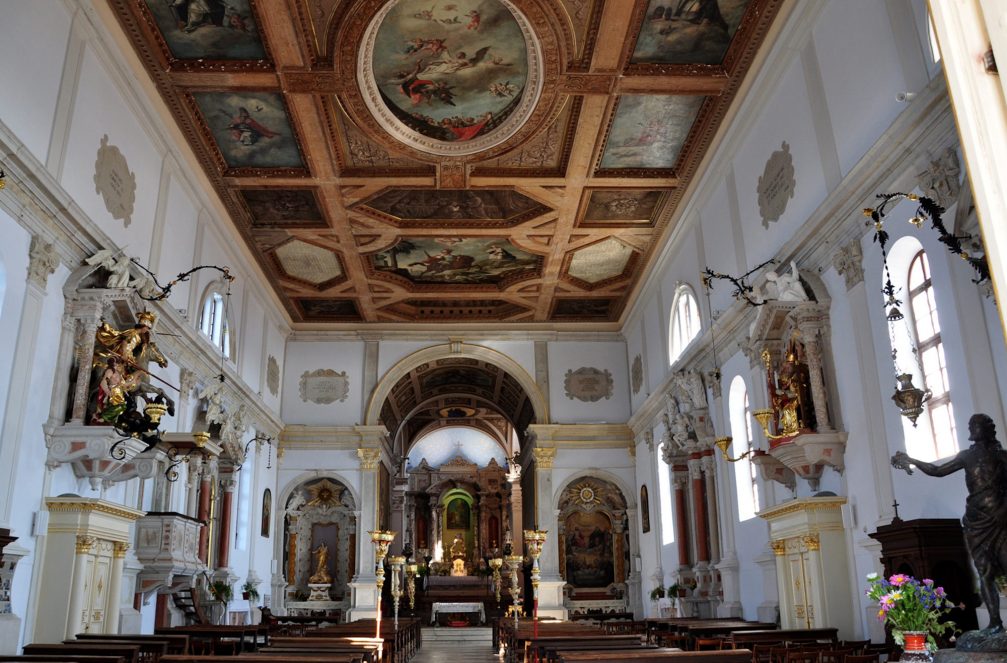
(363, 599)
(10, 632)
(550, 599)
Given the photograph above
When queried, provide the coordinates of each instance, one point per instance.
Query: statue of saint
(458, 547)
(985, 521)
(321, 575)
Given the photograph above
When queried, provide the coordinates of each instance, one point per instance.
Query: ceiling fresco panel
(648, 131)
(456, 260)
(688, 32)
(250, 129)
(208, 29)
(283, 208)
(328, 310)
(436, 207)
(620, 207)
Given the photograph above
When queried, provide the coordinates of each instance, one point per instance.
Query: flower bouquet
(909, 605)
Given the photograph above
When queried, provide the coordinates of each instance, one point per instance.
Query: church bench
(177, 644)
(259, 657)
(220, 639)
(553, 654)
(150, 651)
(543, 644)
(129, 653)
(658, 656)
(740, 639)
(58, 658)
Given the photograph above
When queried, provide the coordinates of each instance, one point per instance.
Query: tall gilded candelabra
(412, 570)
(534, 539)
(381, 540)
(495, 565)
(396, 562)
(514, 563)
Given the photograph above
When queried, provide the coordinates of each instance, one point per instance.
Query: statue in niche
(985, 521)
(458, 556)
(790, 392)
(784, 287)
(321, 575)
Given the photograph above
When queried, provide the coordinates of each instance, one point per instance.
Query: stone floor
(456, 645)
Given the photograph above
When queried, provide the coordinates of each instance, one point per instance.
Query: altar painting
(589, 546)
(458, 514)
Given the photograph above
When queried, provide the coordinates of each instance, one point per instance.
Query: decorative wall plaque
(324, 386)
(636, 374)
(273, 375)
(776, 185)
(114, 181)
(588, 384)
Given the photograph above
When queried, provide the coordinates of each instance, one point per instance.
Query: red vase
(915, 640)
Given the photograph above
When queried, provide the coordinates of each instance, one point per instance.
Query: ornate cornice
(85, 505)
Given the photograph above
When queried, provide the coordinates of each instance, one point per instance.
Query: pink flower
(928, 582)
(899, 579)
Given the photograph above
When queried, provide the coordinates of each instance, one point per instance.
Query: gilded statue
(119, 361)
(321, 575)
(790, 393)
(458, 547)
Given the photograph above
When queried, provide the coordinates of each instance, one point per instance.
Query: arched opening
(319, 544)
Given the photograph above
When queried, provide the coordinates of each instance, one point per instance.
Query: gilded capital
(42, 261)
(544, 457)
(811, 542)
(779, 547)
(85, 544)
(369, 458)
(119, 549)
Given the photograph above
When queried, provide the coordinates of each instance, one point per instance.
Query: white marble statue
(117, 264)
(784, 287)
(213, 393)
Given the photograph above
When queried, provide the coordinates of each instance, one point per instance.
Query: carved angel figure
(214, 394)
(116, 262)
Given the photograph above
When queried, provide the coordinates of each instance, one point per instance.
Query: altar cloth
(448, 608)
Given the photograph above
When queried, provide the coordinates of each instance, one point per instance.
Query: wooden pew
(220, 639)
(129, 653)
(260, 657)
(150, 651)
(177, 643)
(658, 656)
(739, 639)
(58, 658)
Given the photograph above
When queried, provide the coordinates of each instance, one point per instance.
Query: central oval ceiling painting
(450, 78)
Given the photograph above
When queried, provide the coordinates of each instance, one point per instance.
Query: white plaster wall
(178, 242)
(302, 357)
(522, 352)
(14, 261)
(570, 356)
(392, 352)
(34, 66)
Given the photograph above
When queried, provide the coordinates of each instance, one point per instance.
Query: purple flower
(928, 582)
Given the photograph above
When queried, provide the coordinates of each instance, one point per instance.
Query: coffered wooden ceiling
(512, 161)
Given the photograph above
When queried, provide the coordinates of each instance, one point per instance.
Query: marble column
(203, 514)
(84, 550)
(516, 509)
(550, 602)
(699, 511)
(810, 326)
(192, 483)
(364, 595)
(680, 478)
(115, 586)
(709, 467)
(227, 485)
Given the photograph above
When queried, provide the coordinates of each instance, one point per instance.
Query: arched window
(935, 49)
(213, 322)
(685, 324)
(927, 335)
(745, 471)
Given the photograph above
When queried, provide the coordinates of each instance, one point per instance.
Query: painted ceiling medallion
(450, 79)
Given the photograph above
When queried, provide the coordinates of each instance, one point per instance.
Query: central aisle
(456, 645)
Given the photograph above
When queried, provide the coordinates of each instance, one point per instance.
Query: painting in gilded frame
(590, 561)
(688, 31)
(447, 260)
(648, 131)
(440, 74)
(251, 129)
(208, 29)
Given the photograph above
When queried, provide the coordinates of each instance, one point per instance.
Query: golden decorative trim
(544, 457)
(806, 504)
(811, 542)
(779, 547)
(369, 458)
(88, 506)
(119, 549)
(85, 544)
